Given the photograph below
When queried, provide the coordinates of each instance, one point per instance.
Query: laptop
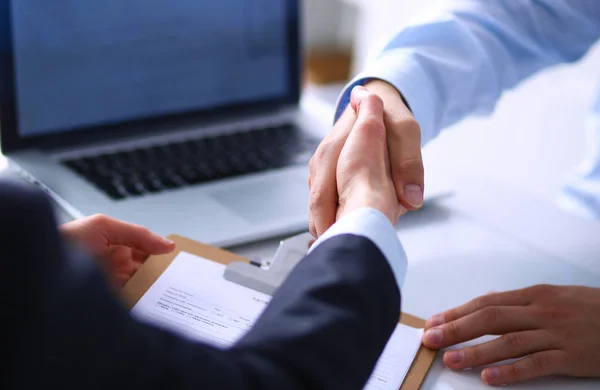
(183, 116)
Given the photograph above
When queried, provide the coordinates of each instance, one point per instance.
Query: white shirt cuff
(373, 225)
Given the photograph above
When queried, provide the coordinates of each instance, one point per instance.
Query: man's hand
(555, 330)
(363, 168)
(404, 144)
(121, 247)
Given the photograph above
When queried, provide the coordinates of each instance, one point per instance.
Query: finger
(323, 189)
(139, 256)
(533, 366)
(508, 346)
(487, 321)
(366, 144)
(124, 276)
(117, 232)
(508, 298)
(134, 268)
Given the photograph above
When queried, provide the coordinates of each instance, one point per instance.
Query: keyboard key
(133, 187)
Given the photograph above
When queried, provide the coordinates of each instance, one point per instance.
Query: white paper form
(193, 299)
(394, 362)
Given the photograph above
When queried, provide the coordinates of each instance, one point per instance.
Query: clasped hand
(403, 140)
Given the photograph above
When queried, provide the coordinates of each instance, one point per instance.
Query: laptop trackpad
(263, 201)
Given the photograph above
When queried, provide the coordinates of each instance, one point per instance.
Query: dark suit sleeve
(325, 327)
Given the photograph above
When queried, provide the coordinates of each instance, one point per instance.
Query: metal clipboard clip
(268, 277)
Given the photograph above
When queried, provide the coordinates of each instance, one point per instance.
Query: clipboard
(143, 279)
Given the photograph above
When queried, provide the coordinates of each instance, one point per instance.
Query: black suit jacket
(325, 327)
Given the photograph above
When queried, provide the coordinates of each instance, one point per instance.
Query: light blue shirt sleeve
(371, 224)
(458, 60)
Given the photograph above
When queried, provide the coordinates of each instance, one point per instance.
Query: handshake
(359, 165)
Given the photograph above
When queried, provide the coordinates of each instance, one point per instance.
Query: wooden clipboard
(141, 281)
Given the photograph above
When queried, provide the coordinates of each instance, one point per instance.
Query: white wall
(328, 23)
(378, 20)
(363, 25)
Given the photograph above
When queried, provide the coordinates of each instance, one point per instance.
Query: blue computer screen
(81, 63)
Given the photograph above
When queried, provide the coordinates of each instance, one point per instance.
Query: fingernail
(413, 195)
(433, 336)
(166, 241)
(436, 320)
(359, 90)
(490, 373)
(455, 356)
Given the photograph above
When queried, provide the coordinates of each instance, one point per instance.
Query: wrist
(372, 200)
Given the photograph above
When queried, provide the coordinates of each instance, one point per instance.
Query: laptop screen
(79, 64)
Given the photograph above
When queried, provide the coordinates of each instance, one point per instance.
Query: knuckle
(318, 197)
(543, 362)
(414, 166)
(512, 341)
(100, 220)
(450, 315)
(321, 153)
(406, 124)
(543, 290)
(403, 128)
(453, 331)
(480, 302)
(411, 125)
(558, 312)
(327, 145)
(476, 356)
(311, 227)
(514, 372)
(491, 315)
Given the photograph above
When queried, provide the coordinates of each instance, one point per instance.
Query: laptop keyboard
(142, 171)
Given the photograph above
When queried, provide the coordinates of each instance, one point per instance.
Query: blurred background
(532, 141)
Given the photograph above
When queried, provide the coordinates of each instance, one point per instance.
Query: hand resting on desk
(554, 329)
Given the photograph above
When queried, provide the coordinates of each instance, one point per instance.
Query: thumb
(363, 171)
(137, 237)
(404, 143)
(366, 145)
